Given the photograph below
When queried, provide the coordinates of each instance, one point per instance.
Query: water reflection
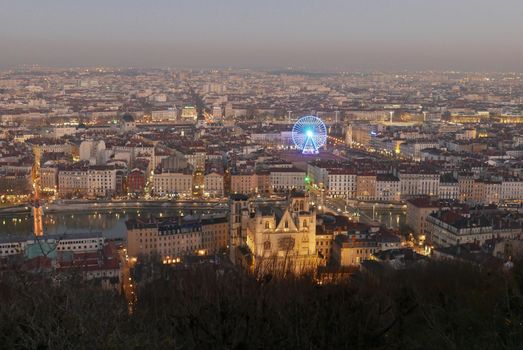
(390, 218)
(112, 224)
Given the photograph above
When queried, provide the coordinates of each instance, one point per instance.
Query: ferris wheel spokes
(309, 134)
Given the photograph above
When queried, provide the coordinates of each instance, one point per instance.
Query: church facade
(274, 236)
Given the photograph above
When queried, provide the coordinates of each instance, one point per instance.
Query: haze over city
(469, 35)
(261, 174)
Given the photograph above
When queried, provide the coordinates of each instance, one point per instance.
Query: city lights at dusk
(291, 174)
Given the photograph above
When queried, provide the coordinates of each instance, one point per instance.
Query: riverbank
(103, 206)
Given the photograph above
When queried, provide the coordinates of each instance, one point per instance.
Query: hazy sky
(321, 34)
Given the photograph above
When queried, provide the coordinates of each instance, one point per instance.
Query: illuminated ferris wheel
(309, 134)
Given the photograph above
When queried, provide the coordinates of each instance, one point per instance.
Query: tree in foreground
(438, 306)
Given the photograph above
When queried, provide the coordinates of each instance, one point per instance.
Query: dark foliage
(439, 306)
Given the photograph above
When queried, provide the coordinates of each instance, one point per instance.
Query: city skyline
(292, 174)
(314, 35)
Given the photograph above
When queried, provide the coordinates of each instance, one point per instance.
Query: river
(110, 223)
(390, 218)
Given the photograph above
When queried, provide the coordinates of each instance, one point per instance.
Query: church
(273, 236)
